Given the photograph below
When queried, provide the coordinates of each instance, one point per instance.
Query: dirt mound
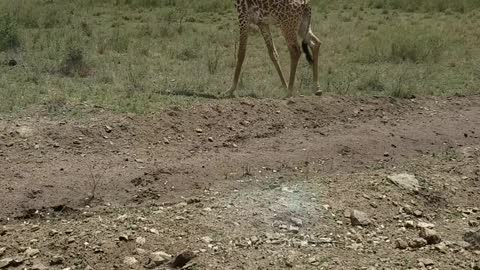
(255, 184)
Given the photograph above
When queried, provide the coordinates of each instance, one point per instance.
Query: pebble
(430, 235)
(56, 260)
(207, 239)
(359, 218)
(417, 243)
(30, 252)
(298, 222)
(401, 244)
(426, 262)
(159, 257)
(140, 241)
(183, 258)
(130, 261)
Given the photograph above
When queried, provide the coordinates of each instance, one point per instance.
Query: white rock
(406, 181)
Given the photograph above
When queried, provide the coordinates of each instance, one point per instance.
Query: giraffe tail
(305, 33)
(308, 53)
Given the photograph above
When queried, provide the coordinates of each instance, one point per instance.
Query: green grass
(138, 55)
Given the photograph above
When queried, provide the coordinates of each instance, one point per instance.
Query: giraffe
(293, 17)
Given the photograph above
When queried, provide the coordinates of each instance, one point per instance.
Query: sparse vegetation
(137, 55)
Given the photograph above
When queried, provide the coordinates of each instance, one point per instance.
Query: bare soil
(225, 179)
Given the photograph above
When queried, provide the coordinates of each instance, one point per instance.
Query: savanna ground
(115, 145)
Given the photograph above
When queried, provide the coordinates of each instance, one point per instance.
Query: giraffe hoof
(228, 94)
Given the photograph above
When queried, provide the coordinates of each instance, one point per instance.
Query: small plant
(74, 63)
(213, 60)
(9, 38)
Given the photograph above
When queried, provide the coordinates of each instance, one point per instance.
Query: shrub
(9, 38)
(74, 63)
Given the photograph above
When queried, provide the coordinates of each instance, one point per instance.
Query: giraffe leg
(272, 51)
(240, 59)
(316, 51)
(295, 54)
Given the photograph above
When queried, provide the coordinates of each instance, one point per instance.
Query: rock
(406, 181)
(56, 260)
(199, 130)
(130, 261)
(206, 240)
(210, 139)
(418, 213)
(425, 225)
(401, 244)
(442, 247)
(359, 218)
(293, 229)
(52, 232)
(25, 131)
(108, 129)
(417, 243)
(430, 235)
(409, 224)
(140, 251)
(473, 238)
(140, 241)
(426, 262)
(12, 62)
(159, 257)
(11, 262)
(2, 250)
(298, 222)
(473, 223)
(182, 259)
(30, 252)
(39, 266)
(123, 237)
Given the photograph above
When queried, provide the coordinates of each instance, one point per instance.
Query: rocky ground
(310, 183)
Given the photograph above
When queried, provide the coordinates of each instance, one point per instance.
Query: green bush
(9, 38)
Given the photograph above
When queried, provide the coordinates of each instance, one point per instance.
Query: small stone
(30, 252)
(39, 266)
(123, 237)
(293, 229)
(409, 224)
(140, 241)
(182, 259)
(206, 240)
(11, 262)
(154, 231)
(473, 223)
(406, 181)
(401, 244)
(358, 218)
(130, 261)
(426, 262)
(199, 130)
(425, 225)
(2, 250)
(140, 251)
(442, 247)
(430, 235)
(210, 139)
(298, 222)
(159, 257)
(418, 213)
(56, 260)
(473, 238)
(417, 243)
(108, 129)
(52, 232)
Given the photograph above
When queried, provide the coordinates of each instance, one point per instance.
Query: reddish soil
(244, 166)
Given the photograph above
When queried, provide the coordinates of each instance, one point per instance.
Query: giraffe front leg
(240, 59)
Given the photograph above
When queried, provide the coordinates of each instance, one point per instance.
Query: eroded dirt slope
(250, 167)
